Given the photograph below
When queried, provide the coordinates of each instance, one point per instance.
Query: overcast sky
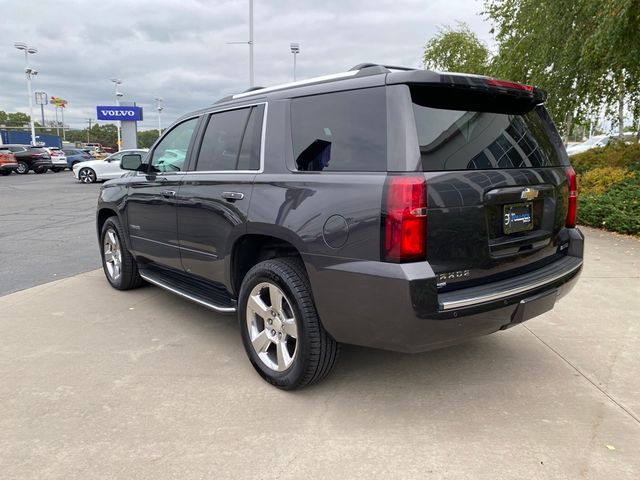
(176, 49)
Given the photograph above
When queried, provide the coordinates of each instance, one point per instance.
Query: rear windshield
(454, 139)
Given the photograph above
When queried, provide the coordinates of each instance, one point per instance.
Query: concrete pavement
(97, 383)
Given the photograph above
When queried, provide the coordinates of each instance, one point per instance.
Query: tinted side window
(221, 142)
(342, 131)
(249, 158)
(171, 153)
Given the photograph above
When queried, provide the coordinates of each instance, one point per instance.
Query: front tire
(87, 175)
(280, 328)
(118, 264)
(23, 168)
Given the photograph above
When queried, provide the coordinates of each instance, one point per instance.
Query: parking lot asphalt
(98, 383)
(47, 229)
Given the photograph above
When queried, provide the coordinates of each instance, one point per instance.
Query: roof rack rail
(362, 69)
(362, 66)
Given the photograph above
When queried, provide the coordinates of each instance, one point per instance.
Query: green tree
(106, 135)
(17, 119)
(146, 138)
(457, 50)
(584, 52)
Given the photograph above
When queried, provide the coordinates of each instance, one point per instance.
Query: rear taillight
(405, 219)
(494, 82)
(572, 206)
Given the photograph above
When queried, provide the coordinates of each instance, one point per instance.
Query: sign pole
(57, 125)
(64, 138)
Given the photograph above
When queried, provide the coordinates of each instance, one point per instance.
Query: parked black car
(30, 158)
(387, 207)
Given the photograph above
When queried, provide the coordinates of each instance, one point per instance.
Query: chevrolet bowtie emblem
(529, 194)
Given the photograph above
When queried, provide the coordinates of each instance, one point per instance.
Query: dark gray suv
(388, 207)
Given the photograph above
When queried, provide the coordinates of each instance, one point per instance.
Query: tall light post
(295, 49)
(29, 72)
(119, 94)
(251, 82)
(250, 43)
(159, 108)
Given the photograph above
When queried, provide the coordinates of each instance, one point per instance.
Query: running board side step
(207, 295)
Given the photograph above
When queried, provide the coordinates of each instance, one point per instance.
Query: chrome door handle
(168, 193)
(232, 196)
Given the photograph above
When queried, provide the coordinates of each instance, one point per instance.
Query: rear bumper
(397, 306)
(41, 164)
(59, 163)
(8, 167)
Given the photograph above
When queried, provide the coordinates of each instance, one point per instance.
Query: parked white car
(93, 170)
(599, 141)
(58, 158)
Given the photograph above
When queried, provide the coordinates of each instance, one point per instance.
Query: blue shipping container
(24, 138)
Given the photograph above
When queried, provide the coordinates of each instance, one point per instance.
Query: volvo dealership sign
(125, 114)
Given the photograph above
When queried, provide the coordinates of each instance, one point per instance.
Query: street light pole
(29, 72)
(117, 82)
(295, 49)
(89, 132)
(159, 108)
(251, 82)
(250, 43)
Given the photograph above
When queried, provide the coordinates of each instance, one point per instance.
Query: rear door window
(231, 140)
(453, 139)
(342, 131)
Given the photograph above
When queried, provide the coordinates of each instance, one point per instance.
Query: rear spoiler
(470, 83)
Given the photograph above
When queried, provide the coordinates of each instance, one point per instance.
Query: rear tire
(56, 169)
(118, 264)
(284, 339)
(23, 168)
(41, 170)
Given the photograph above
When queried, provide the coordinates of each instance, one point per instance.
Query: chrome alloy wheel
(272, 326)
(87, 175)
(112, 254)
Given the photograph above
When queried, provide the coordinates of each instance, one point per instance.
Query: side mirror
(132, 161)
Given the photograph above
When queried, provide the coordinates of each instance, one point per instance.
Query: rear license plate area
(517, 217)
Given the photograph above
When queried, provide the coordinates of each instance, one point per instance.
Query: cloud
(178, 49)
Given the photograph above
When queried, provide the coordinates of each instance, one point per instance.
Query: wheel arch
(103, 214)
(251, 249)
